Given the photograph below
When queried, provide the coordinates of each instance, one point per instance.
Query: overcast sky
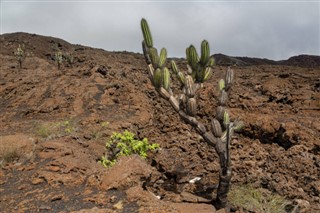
(267, 29)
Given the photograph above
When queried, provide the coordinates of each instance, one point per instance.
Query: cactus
(157, 78)
(153, 53)
(174, 67)
(220, 113)
(216, 128)
(145, 52)
(226, 119)
(146, 33)
(223, 98)
(205, 52)
(198, 71)
(189, 86)
(229, 78)
(166, 78)
(199, 67)
(221, 84)
(210, 62)
(163, 57)
(69, 58)
(58, 58)
(191, 106)
(207, 73)
(192, 56)
(20, 55)
(181, 78)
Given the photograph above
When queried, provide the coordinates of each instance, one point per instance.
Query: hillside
(52, 132)
(307, 61)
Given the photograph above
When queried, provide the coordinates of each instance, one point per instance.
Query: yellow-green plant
(20, 55)
(218, 135)
(125, 144)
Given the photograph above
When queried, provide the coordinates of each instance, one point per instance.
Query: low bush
(125, 144)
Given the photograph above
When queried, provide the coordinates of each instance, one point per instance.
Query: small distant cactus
(199, 70)
(58, 57)
(69, 58)
(20, 55)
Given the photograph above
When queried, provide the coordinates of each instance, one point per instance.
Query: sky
(266, 29)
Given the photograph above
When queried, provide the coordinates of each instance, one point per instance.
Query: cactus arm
(205, 52)
(162, 57)
(145, 52)
(146, 33)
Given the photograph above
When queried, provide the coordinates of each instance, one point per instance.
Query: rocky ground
(52, 134)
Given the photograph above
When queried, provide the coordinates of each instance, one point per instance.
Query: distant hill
(297, 61)
(46, 43)
(302, 61)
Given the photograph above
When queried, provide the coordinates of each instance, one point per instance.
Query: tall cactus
(220, 133)
(20, 55)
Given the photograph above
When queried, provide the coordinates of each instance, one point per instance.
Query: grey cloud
(275, 30)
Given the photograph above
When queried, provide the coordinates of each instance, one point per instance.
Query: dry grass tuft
(257, 200)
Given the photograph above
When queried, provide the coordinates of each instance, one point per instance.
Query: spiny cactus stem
(145, 50)
(201, 128)
(229, 79)
(164, 93)
(150, 72)
(174, 102)
(189, 70)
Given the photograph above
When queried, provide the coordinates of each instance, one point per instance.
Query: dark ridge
(309, 61)
(9, 42)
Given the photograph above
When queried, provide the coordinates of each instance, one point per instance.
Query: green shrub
(125, 144)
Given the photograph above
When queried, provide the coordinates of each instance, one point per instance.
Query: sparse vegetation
(257, 200)
(69, 58)
(199, 70)
(125, 144)
(8, 157)
(56, 129)
(20, 55)
(98, 133)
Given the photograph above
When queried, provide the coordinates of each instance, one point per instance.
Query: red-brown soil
(279, 148)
